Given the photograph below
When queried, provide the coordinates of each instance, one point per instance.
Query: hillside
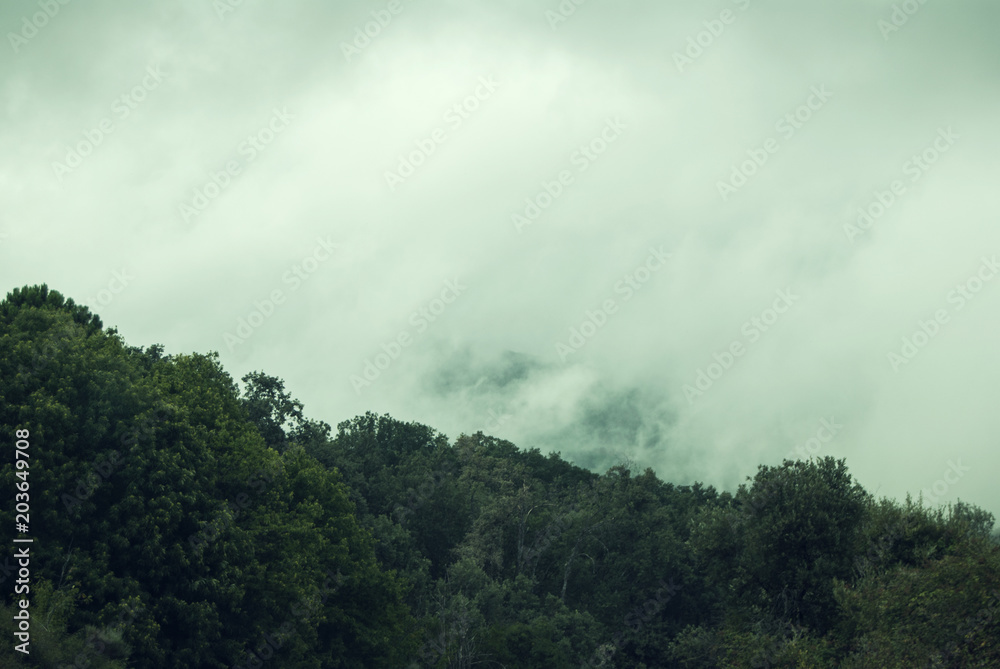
(180, 519)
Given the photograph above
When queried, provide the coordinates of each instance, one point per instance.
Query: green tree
(153, 494)
(271, 409)
(775, 553)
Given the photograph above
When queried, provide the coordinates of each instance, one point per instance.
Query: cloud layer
(693, 236)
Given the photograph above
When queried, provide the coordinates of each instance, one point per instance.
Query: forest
(180, 519)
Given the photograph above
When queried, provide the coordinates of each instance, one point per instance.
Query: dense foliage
(180, 520)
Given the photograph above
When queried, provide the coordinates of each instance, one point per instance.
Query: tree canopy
(181, 520)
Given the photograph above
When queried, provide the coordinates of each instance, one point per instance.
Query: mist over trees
(181, 519)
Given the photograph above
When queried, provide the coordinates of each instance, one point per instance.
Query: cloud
(490, 356)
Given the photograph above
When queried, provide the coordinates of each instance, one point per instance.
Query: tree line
(182, 519)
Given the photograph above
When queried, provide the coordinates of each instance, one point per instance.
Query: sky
(697, 237)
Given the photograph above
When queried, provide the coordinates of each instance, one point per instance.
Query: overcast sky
(694, 236)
